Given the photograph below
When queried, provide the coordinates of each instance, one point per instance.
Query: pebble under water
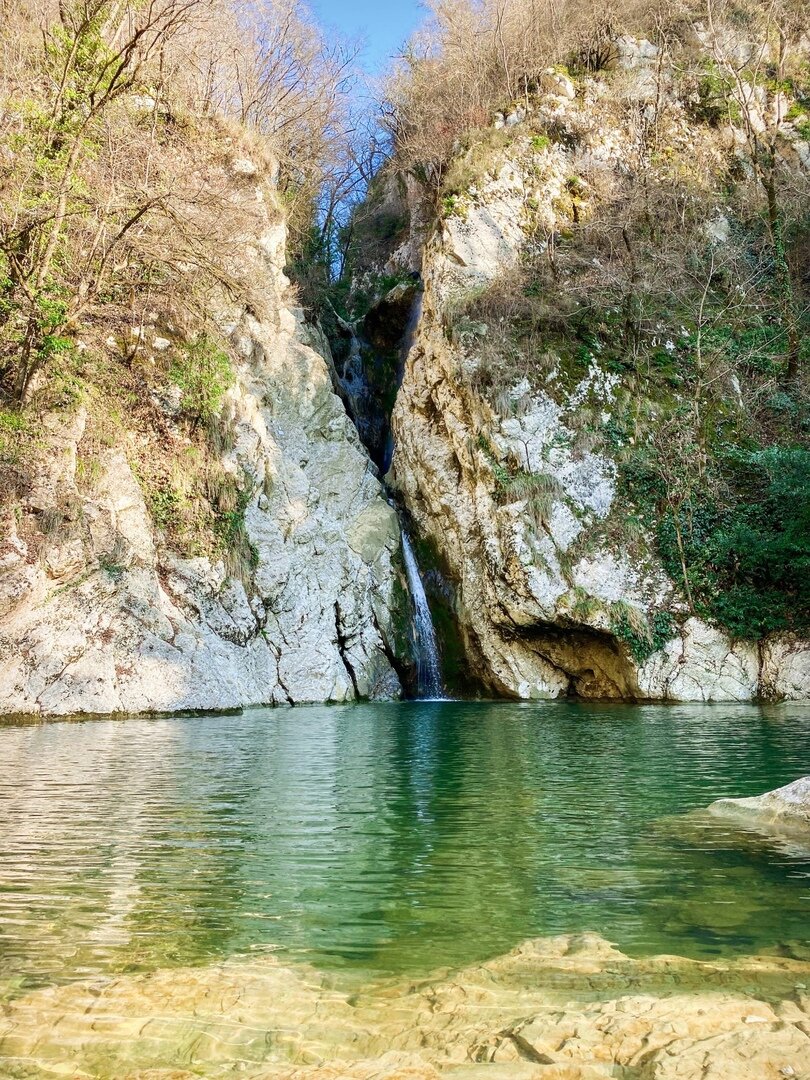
(392, 838)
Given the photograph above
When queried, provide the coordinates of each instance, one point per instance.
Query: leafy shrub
(12, 422)
(16, 453)
(747, 562)
(164, 506)
(204, 374)
(715, 101)
(241, 556)
(643, 637)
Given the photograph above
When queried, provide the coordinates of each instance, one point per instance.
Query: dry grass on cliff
(145, 150)
(473, 59)
(115, 186)
(680, 271)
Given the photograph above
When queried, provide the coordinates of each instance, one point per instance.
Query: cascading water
(428, 662)
(364, 394)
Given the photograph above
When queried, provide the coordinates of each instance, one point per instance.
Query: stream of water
(374, 430)
(428, 661)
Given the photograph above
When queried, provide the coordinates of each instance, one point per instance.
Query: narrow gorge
(527, 452)
(404, 540)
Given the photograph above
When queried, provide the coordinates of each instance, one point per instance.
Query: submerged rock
(571, 1007)
(786, 807)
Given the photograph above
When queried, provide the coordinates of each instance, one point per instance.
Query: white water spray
(428, 664)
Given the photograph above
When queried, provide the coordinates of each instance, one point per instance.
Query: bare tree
(749, 64)
(92, 202)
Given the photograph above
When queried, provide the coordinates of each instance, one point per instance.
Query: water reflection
(395, 837)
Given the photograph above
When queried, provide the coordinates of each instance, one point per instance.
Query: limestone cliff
(554, 589)
(98, 613)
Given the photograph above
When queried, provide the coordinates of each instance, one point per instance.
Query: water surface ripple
(391, 838)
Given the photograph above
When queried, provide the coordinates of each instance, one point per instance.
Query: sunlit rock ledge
(567, 1007)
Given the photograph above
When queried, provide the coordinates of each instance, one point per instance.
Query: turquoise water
(391, 838)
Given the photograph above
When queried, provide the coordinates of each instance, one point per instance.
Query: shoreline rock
(104, 617)
(783, 808)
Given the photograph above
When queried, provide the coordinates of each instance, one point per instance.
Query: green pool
(391, 839)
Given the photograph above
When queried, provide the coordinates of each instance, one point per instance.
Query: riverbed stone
(571, 1007)
(786, 807)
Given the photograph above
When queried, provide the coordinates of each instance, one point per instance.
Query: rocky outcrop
(564, 1008)
(101, 617)
(547, 607)
(553, 598)
(785, 808)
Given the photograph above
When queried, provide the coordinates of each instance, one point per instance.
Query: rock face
(786, 807)
(563, 1008)
(107, 619)
(552, 599)
(540, 605)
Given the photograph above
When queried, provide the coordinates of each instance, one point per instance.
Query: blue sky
(384, 24)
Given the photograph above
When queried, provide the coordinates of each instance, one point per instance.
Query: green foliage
(583, 605)
(478, 158)
(164, 505)
(641, 635)
(59, 136)
(527, 485)
(114, 569)
(715, 101)
(241, 555)
(354, 303)
(758, 344)
(383, 227)
(538, 489)
(200, 508)
(12, 422)
(204, 374)
(85, 58)
(452, 205)
(745, 538)
(725, 493)
(540, 142)
(18, 445)
(31, 332)
(502, 474)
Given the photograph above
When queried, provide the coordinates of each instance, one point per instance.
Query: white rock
(109, 620)
(702, 664)
(785, 669)
(244, 167)
(519, 591)
(786, 806)
(718, 229)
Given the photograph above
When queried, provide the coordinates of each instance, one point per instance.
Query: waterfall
(358, 397)
(361, 395)
(428, 664)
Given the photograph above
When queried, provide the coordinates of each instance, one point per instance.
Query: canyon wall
(555, 593)
(98, 613)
